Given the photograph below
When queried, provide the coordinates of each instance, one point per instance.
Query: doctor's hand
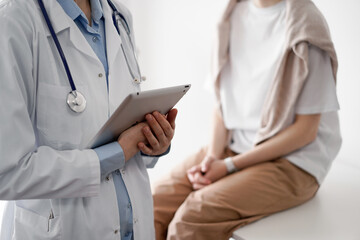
(158, 133)
(130, 138)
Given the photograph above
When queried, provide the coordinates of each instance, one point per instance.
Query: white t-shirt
(256, 42)
(256, 45)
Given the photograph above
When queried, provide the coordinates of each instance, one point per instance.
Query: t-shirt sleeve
(319, 92)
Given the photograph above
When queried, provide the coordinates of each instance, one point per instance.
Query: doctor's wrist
(129, 140)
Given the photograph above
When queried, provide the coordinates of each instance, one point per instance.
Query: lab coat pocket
(59, 127)
(29, 225)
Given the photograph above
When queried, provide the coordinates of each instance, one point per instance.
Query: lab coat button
(107, 178)
(122, 171)
(135, 220)
(100, 75)
(116, 231)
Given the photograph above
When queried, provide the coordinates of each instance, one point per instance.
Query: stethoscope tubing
(116, 13)
(127, 29)
(58, 46)
(75, 99)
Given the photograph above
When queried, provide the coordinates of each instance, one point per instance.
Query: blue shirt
(111, 155)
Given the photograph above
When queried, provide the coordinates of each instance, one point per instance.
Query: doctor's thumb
(171, 116)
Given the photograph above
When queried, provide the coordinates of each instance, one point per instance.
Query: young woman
(275, 130)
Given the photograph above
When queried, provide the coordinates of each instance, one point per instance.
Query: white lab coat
(40, 136)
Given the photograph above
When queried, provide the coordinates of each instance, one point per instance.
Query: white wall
(343, 18)
(174, 40)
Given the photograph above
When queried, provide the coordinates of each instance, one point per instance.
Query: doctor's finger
(145, 149)
(165, 125)
(157, 129)
(153, 141)
(171, 116)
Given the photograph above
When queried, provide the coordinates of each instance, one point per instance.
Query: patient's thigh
(258, 190)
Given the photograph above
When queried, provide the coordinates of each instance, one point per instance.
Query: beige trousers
(214, 212)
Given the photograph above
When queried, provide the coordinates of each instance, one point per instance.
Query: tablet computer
(133, 110)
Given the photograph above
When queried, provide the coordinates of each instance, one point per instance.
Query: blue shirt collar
(96, 10)
(73, 10)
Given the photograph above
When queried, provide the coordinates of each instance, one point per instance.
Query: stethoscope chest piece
(76, 101)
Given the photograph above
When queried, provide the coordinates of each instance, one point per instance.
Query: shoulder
(306, 24)
(17, 9)
(305, 20)
(17, 16)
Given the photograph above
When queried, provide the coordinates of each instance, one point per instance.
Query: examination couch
(333, 214)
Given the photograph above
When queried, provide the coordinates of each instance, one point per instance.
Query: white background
(174, 42)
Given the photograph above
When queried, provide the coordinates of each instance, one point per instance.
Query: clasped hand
(152, 137)
(209, 171)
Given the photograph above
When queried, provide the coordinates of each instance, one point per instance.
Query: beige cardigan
(304, 24)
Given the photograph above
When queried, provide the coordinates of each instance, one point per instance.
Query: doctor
(51, 106)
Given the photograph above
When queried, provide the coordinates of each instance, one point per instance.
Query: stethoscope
(76, 100)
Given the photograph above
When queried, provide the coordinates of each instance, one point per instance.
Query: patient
(275, 128)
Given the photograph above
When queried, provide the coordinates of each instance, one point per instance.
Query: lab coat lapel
(113, 40)
(61, 21)
(58, 17)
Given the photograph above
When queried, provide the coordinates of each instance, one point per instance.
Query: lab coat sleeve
(26, 170)
(111, 157)
(150, 161)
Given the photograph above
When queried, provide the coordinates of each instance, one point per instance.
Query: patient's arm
(302, 132)
(218, 142)
(219, 135)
